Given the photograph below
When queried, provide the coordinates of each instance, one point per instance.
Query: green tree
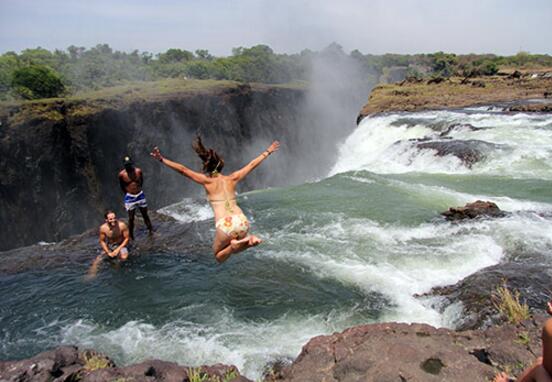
(172, 56)
(199, 69)
(203, 54)
(489, 68)
(37, 81)
(8, 64)
(444, 63)
(76, 52)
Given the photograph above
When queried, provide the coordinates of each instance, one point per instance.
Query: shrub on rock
(37, 81)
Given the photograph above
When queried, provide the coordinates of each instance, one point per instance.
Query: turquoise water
(348, 249)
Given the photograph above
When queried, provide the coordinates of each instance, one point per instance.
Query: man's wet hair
(107, 212)
(212, 162)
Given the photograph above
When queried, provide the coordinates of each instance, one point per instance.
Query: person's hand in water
(155, 153)
(549, 307)
(275, 146)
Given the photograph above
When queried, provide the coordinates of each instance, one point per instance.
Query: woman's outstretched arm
(180, 168)
(242, 173)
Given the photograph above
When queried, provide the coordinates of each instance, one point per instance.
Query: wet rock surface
(171, 236)
(468, 151)
(68, 363)
(415, 352)
(474, 210)
(374, 352)
(531, 278)
(457, 127)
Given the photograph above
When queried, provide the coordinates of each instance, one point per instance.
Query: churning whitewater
(352, 248)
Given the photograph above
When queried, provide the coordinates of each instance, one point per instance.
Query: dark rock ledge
(68, 364)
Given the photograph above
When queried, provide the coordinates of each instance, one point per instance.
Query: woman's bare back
(221, 192)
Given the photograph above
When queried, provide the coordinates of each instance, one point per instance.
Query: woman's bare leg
(222, 253)
(221, 241)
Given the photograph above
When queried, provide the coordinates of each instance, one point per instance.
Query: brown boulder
(67, 364)
(414, 352)
(46, 366)
(473, 210)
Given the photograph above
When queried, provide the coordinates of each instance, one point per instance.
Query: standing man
(131, 180)
(114, 238)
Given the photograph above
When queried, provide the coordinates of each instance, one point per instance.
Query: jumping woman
(232, 227)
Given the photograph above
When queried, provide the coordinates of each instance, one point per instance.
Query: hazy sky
(372, 26)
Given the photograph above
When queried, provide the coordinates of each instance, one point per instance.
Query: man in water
(131, 180)
(114, 238)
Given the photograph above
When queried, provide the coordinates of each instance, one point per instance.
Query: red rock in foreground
(414, 352)
(68, 364)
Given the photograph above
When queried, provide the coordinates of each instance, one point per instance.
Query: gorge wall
(60, 159)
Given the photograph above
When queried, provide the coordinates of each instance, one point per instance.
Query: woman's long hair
(212, 162)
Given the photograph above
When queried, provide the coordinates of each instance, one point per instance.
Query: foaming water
(349, 249)
(384, 144)
(189, 210)
(248, 345)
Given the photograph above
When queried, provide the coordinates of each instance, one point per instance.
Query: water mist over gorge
(61, 159)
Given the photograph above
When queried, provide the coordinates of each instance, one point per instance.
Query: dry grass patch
(509, 306)
(94, 362)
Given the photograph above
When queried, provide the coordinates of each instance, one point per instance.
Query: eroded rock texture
(414, 352)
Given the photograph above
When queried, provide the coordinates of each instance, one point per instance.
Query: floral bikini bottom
(235, 226)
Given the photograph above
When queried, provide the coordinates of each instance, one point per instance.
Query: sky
(502, 27)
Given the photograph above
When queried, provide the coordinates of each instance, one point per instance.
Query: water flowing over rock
(477, 293)
(469, 151)
(458, 127)
(473, 210)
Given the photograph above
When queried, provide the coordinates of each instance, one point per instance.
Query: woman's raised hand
(156, 154)
(275, 146)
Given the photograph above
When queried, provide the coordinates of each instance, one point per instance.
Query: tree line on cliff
(40, 73)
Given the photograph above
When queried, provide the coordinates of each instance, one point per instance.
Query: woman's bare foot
(246, 242)
(254, 240)
(236, 244)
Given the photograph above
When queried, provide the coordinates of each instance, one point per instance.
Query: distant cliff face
(59, 160)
